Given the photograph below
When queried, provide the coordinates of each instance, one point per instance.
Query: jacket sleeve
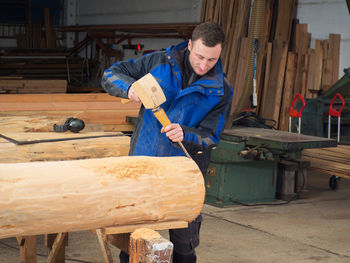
(117, 79)
(207, 133)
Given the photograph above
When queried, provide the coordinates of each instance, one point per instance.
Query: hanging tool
(295, 113)
(152, 96)
(336, 113)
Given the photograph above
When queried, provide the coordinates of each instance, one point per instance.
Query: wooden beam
(288, 90)
(27, 248)
(106, 252)
(49, 241)
(56, 251)
(33, 86)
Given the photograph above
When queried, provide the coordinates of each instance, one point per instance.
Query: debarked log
(63, 196)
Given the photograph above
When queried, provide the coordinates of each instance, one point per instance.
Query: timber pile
(334, 161)
(36, 69)
(15, 86)
(39, 112)
(54, 197)
(285, 63)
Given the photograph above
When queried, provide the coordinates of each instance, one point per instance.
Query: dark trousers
(185, 240)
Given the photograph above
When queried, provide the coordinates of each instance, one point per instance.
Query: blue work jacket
(201, 108)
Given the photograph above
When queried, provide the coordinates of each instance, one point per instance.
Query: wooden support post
(57, 248)
(286, 180)
(301, 176)
(149, 246)
(49, 241)
(27, 248)
(106, 252)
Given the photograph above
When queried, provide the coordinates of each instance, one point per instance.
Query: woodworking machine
(245, 165)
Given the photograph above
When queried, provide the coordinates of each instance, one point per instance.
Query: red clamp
(295, 113)
(333, 111)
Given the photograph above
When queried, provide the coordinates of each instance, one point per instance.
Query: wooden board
(33, 86)
(288, 90)
(54, 197)
(62, 150)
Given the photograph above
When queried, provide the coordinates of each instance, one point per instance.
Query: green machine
(245, 164)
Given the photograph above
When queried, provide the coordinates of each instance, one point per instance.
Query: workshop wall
(324, 17)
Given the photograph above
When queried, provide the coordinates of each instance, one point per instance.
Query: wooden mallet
(152, 96)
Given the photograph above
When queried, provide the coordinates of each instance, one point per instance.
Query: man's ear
(189, 46)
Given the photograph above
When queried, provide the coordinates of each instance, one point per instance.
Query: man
(198, 104)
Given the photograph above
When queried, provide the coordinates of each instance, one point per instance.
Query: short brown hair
(210, 33)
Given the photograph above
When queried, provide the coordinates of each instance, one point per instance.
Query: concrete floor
(314, 228)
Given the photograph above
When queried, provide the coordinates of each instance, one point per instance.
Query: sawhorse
(140, 241)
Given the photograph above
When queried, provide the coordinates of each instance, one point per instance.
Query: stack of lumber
(39, 112)
(38, 68)
(37, 86)
(38, 35)
(334, 161)
(285, 63)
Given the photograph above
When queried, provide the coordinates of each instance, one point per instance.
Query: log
(64, 196)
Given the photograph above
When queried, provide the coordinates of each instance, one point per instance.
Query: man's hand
(132, 95)
(174, 132)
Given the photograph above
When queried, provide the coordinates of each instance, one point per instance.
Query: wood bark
(54, 197)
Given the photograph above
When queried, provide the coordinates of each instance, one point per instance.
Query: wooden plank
(310, 74)
(230, 30)
(318, 65)
(273, 92)
(334, 55)
(56, 248)
(91, 97)
(62, 150)
(203, 10)
(154, 226)
(49, 241)
(210, 10)
(49, 34)
(120, 241)
(288, 90)
(240, 30)
(237, 103)
(106, 252)
(302, 43)
(34, 86)
(285, 17)
(27, 249)
(263, 94)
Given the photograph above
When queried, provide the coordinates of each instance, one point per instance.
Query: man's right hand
(132, 95)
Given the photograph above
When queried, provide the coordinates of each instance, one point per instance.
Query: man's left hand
(174, 132)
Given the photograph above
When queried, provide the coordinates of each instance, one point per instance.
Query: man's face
(203, 58)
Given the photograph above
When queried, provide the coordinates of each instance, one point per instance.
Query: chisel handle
(161, 117)
(164, 120)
